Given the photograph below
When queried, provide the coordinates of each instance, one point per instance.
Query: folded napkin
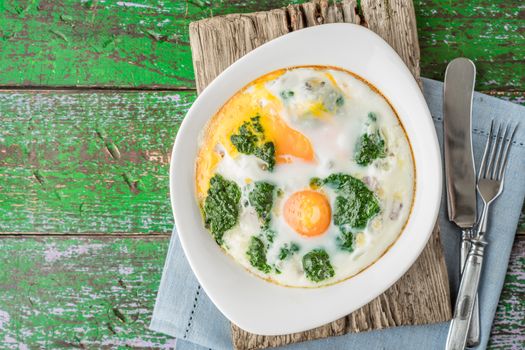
(184, 311)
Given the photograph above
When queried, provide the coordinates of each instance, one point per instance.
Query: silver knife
(460, 172)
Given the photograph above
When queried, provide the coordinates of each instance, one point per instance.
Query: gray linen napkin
(184, 311)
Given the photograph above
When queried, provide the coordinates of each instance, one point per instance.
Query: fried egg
(305, 177)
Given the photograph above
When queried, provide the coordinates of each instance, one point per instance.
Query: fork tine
(498, 159)
(493, 146)
(486, 152)
(503, 165)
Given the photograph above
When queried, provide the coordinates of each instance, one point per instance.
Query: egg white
(333, 140)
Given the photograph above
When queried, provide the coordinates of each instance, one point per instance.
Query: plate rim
(243, 323)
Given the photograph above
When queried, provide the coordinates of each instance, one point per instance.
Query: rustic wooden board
(218, 42)
(422, 295)
(145, 43)
(395, 21)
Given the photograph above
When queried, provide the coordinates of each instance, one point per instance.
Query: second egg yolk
(308, 213)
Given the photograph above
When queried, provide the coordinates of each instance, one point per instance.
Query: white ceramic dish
(250, 302)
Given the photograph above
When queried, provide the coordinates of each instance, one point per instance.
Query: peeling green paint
(75, 162)
(49, 301)
(99, 293)
(97, 161)
(509, 323)
(146, 43)
(110, 43)
(82, 162)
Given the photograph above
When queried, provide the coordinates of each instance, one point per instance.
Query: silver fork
(490, 185)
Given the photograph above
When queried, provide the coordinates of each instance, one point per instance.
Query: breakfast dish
(306, 176)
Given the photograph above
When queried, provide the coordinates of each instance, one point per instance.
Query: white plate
(248, 301)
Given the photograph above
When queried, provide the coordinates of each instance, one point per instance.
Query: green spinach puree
(317, 266)
(257, 255)
(250, 140)
(221, 206)
(370, 146)
(354, 206)
(261, 198)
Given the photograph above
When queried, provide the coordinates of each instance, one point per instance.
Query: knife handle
(466, 235)
(457, 333)
(473, 331)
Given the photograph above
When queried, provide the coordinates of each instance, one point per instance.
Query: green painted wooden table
(91, 97)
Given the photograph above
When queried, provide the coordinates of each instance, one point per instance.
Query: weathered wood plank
(242, 33)
(52, 136)
(145, 43)
(488, 32)
(123, 47)
(218, 42)
(104, 43)
(60, 292)
(79, 293)
(87, 162)
(508, 329)
(395, 21)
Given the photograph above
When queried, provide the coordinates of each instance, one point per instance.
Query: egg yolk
(288, 142)
(308, 213)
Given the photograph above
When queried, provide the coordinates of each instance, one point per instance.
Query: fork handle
(457, 333)
(473, 331)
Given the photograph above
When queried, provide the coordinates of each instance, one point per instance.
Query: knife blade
(460, 171)
(459, 161)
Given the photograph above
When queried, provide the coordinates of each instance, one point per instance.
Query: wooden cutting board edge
(422, 295)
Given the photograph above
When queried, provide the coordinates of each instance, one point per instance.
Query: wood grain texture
(104, 43)
(218, 42)
(99, 292)
(57, 175)
(508, 329)
(82, 162)
(145, 43)
(490, 32)
(130, 45)
(80, 293)
(395, 21)
(422, 295)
